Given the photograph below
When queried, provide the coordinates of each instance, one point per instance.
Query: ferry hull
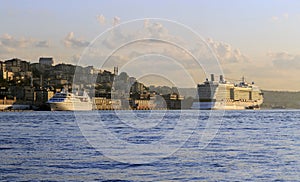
(4, 107)
(69, 106)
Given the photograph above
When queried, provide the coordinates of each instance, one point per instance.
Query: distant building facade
(48, 61)
(15, 69)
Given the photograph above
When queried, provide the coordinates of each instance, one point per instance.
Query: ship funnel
(221, 78)
(212, 77)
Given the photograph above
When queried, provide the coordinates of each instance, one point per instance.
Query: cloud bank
(285, 60)
(226, 53)
(71, 41)
(10, 44)
(101, 19)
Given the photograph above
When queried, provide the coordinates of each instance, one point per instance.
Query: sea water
(261, 145)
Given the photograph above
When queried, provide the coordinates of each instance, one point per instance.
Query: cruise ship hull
(69, 106)
(225, 105)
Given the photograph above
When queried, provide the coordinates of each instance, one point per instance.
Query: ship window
(232, 94)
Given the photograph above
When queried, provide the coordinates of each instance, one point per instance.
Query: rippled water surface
(249, 145)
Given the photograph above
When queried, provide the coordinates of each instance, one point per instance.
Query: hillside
(281, 99)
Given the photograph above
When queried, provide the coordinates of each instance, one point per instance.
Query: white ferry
(65, 101)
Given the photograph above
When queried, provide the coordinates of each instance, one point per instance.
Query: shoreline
(261, 109)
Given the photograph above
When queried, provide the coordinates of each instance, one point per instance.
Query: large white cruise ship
(229, 96)
(64, 101)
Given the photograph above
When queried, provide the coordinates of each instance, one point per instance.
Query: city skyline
(255, 39)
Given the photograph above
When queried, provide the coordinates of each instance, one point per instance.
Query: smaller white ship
(65, 101)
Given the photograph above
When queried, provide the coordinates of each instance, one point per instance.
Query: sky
(258, 39)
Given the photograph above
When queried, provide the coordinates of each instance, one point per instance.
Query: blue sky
(264, 31)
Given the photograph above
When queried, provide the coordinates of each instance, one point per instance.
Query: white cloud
(146, 23)
(9, 41)
(280, 18)
(116, 36)
(285, 60)
(275, 18)
(226, 53)
(126, 46)
(116, 20)
(157, 30)
(71, 41)
(286, 15)
(42, 44)
(4, 50)
(279, 55)
(101, 19)
(10, 44)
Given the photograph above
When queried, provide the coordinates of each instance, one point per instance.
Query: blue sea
(262, 145)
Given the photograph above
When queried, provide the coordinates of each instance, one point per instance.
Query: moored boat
(65, 101)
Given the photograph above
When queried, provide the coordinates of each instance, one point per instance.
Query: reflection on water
(250, 145)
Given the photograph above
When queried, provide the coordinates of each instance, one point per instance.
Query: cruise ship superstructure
(225, 95)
